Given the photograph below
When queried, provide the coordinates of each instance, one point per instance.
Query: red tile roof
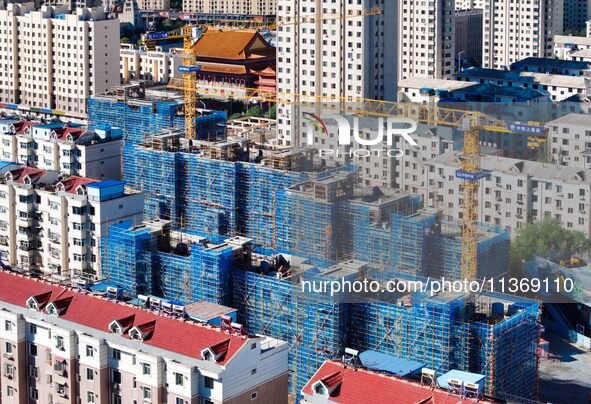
(20, 127)
(62, 133)
(182, 337)
(19, 174)
(364, 386)
(72, 183)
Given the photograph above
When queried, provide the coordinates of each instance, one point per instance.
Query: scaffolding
(492, 253)
(270, 301)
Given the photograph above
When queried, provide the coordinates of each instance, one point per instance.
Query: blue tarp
(390, 364)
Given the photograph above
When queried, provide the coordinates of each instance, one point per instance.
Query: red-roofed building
(336, 383)
(59, 344)
(63, 147)
(53, 225)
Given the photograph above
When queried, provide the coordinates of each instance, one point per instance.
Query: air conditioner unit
(8, 356)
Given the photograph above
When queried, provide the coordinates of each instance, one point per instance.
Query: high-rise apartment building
(576, 15)
(333, 51)
(426, 39)
(517, 29)
(256, 7)
(469, 4)
(52, 60)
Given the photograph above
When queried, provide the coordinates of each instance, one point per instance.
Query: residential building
(469, 4)
(331, 56)
(53, 225)
(131, 14)
(229, 7)
(60, 345)
(515, 192)
(572, 47)
(569, 141)
(576, 15)
(553, 66)
(69, 149)
(557, 87)
(426, 39)
(55, 60)
(514, 30)
(339, 382)
(468, 38)
(151, 66)
(154, 5)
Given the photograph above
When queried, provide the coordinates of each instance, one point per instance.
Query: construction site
(234, 219)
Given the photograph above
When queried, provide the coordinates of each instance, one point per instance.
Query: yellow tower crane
(470, 174)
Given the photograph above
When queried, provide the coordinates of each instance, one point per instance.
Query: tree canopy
(549, 239)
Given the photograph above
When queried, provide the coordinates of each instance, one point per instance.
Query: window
(33, 328)
(8, 348)
(89, 374)
(208, 382)
(10, 391)
(33, 372)
(7, 326)
(116, 354)
(59, 342)
(253, 396)
(90, 397)
(146, 393)
(32, 349)
(180, 401)
(34, 394)
(146, 369)
(253, 371)
(116, 376)
(178, 379)
(89, 351)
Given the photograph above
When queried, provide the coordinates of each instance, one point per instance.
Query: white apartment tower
(426, 39)
(326, 48)
(517, 29)
(249, 7)
(52, 60)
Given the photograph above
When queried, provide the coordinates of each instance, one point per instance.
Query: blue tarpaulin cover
(390, 364)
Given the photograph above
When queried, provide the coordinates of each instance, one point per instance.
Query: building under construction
(489, 334)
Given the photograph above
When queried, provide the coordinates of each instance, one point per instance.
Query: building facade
(569, 140)
(468, 38)
(258, 7)
(151, 66)
(514, 30)
(576, 15)
(350, 57)
(54, 352)
(515, 193)
(69, 149)
(54, 226)
(426, 39)
(154, 5)
(52, 61)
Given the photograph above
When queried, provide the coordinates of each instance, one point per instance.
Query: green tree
(273, 112)
(549, 239)
(255, 111)
(125, 40)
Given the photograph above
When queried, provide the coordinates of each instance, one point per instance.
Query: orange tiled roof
(232, 44)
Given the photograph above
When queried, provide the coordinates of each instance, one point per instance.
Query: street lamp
(460, 61)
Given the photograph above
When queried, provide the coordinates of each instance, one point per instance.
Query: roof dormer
(58, 307)
(328, 384)
(216, 352)
(142, 332)
(39, 301)
(122, 325)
